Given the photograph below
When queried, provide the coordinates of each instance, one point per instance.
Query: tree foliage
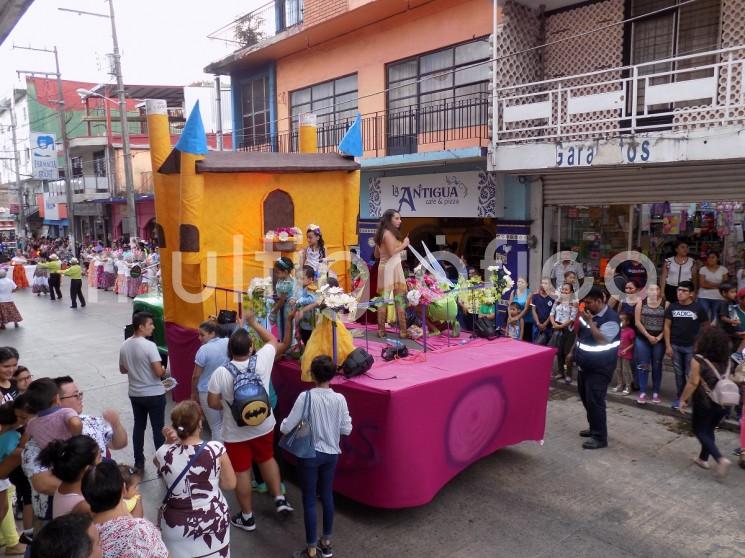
(248, 30)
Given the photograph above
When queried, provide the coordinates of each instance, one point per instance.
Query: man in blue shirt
(211, 355)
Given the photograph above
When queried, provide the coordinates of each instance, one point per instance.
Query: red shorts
(243, 454)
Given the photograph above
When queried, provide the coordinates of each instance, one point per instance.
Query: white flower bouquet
(336, 299)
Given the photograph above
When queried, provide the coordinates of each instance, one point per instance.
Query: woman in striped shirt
(330, 419)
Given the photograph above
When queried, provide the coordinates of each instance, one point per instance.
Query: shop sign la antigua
(429, 195)
(434, 195)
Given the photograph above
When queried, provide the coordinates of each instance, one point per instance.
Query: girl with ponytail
(69, 460)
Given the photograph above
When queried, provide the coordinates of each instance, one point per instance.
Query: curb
(658, 408)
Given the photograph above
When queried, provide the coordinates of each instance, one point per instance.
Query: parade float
(224, 217)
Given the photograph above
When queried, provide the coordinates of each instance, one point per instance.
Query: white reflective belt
(598, 348)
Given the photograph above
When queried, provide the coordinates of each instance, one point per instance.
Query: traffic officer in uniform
(595, 353)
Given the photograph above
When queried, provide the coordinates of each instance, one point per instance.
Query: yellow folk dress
(321, 343)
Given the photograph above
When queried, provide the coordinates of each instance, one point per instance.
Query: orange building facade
(418, 74)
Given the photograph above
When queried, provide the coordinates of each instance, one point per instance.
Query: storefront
(599, 214)
(145, 209)
(460, 208)
(8, 234)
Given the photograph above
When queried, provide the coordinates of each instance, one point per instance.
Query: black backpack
(357, 363)
(250, 405)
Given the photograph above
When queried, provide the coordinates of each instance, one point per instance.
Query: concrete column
(537, 228)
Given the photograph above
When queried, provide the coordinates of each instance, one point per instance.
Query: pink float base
(420, 421)
(424, 420)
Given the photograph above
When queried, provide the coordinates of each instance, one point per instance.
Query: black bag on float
(399, 350)
(357, 363)
(484, 328)
(227, 317)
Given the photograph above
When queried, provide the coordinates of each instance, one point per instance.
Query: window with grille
(77, 166)
(99, 163)
(255, 112)
(333, 102)
(440, 90)
(683, 30)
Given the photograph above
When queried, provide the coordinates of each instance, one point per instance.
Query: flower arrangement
(284, 234)
(469, 295)
(422, 289)
(501, 280)
(336, 299)
(258, 290)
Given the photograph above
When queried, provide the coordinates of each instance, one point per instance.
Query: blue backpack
(250, 405)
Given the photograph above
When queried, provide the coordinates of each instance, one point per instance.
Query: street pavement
(641, 497)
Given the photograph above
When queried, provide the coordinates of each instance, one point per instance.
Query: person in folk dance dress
(40, 283)
(19, 271)
(8, 311)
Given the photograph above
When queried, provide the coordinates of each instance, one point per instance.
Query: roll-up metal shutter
(645, 184)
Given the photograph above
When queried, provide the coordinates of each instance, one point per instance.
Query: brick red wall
(316, 11)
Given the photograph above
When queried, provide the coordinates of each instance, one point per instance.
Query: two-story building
(626, 118)
(417, 72)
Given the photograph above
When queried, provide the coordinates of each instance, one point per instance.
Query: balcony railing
(417, 128)
(261, 24)
(84, 185)
(702, 89)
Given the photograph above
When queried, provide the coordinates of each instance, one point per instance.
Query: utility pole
(17, 164)
(65, 140)
(219, 113)
(128, 175)
(128, 178)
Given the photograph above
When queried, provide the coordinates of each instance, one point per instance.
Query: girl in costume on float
(389, 247)
(321, 341)
(315, 252)
(40, 282)
(19, 270)
(284, 289)
(307, 302)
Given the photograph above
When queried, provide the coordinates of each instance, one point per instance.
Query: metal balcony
(698, 90)
(461, 123)
(84, 188)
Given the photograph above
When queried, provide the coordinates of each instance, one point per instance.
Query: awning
(57, 222)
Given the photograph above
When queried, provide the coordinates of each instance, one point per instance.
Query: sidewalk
(667, 396)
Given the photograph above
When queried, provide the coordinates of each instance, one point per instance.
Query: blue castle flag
(351, 143)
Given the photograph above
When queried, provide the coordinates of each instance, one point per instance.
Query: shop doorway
(598, 232)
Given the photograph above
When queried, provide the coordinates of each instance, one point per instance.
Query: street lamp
(128, 178)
